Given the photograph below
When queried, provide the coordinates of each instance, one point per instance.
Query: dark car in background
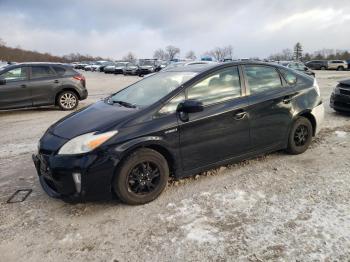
(340, 98)
(298, 66)
(317, 64)
(177, 123)
(41, 84)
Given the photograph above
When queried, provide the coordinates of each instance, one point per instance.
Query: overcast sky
(111, 28)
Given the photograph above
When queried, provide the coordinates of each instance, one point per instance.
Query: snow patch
(341, 134)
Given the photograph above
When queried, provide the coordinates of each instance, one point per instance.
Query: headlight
(85, 143)
(317, 88)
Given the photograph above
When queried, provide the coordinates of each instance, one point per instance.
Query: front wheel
(67, 100)
(142, 177)
(300, 136)
(340, 68)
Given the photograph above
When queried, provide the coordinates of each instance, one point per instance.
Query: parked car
(81, 65)
(147, 66)
(104, 64)
(119, 67)
(131, 69)
(41, 84)
(339, 65)
(340, 98)
(317, 64)
(191, 63)
(348, 62)
(298, 66)
(177, 123)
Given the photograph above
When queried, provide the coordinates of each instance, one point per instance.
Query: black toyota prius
(177, 123)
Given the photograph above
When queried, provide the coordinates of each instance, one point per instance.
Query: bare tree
(2, 42)
(160, 54)
(191, 55)
(287, 54)
(220, 53)
(172, 51)
(130, 57)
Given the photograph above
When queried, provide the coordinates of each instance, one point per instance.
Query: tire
(340, 68)
(323, 68)
(67, 100)
(134, 178)
(300, 136)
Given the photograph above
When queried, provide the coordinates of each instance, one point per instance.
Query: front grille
(345, 92)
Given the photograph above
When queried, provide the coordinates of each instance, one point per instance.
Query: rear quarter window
(290, 78)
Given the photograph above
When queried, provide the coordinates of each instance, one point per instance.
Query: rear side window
(16, 74)
(220, 86)
(262, 79)
(290, 78)
(59, 70)
(42, 72)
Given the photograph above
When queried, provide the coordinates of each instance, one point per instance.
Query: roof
(35, 63)
(204, 67)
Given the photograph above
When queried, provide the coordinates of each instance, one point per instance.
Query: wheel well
(67, 89)
(312, 119)
(161, 150)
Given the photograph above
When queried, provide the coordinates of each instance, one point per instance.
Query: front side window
(153, 88)
(220, 86)
(16, 74)
(262, 79)
(42, 72)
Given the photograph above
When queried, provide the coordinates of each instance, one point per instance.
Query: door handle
(287, 99)
(240, 115)
(23, 86)
(56, 81)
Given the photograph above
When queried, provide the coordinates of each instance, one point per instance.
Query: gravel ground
(276, 207)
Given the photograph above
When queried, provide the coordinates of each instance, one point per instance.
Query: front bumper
(340, 102)
(56, 175)
(318, 113)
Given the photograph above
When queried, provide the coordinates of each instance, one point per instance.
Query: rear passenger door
(14, 93)
(43, 82)
(270, 106)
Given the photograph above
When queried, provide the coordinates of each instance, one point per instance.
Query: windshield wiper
(122, 103)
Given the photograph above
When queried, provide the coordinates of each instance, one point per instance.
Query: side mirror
(190, 106)
(306, 68)
(2, 81)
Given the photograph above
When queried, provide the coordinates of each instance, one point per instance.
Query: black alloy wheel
(300, 136)
(141, 177)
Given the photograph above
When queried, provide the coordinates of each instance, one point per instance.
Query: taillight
(79, 77)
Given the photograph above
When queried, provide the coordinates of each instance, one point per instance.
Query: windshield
(153, 88)
(146, 62)
(120, 64)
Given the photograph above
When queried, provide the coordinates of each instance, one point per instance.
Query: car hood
(146, 67)
(345, 82)
(97, 117)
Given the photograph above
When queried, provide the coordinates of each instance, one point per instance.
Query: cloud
(111, 28)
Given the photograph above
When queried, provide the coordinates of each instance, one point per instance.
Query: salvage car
(131, 69)
(41, 84)
(339, 65)
(177, 123)
(147, 66)
(317, 64)
(340, 97)
(298, 66)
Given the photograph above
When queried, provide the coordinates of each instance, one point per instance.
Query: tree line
(297, 54)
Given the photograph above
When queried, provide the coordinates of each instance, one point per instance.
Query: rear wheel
(67, 100)
(300, 136)
(323, 68)
(340, 68)
(141, 177)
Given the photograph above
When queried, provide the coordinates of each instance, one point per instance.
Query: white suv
(339, 65)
